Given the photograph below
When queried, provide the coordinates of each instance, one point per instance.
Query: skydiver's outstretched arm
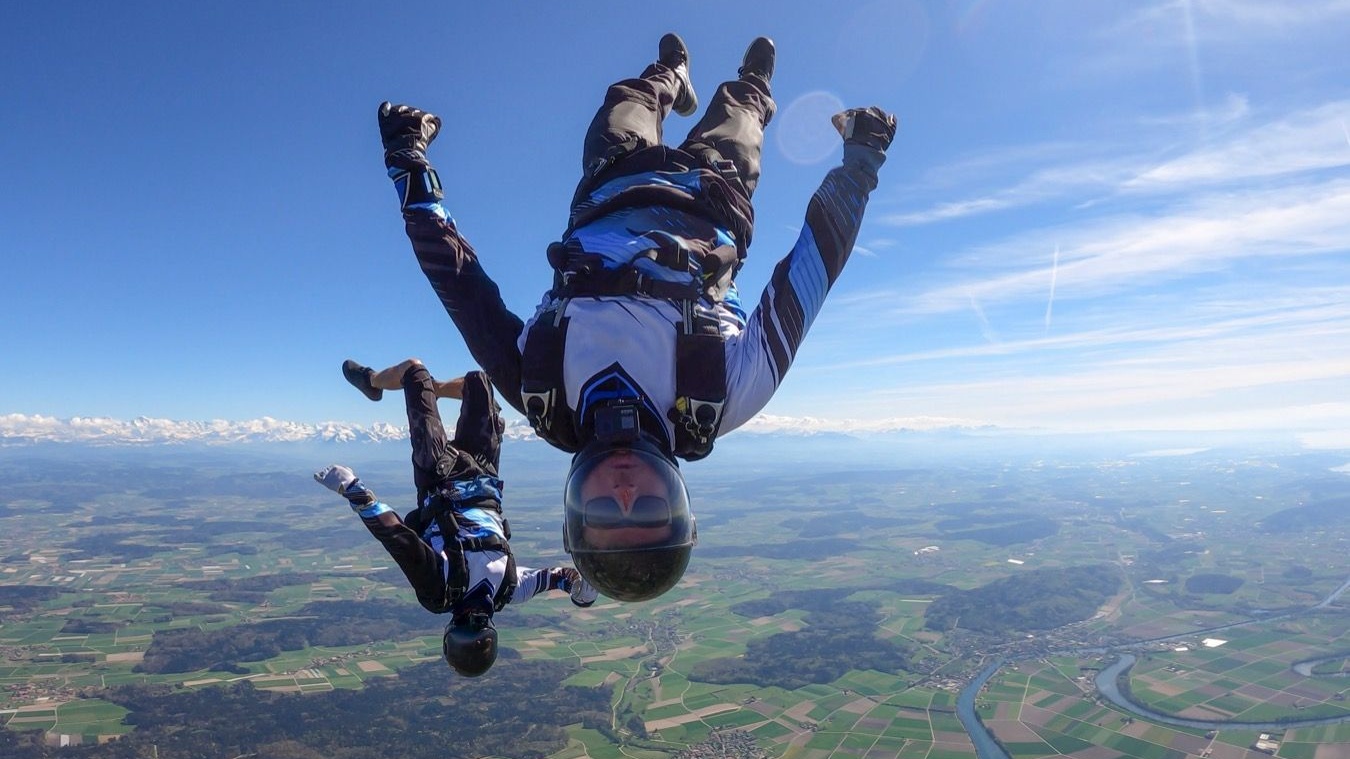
(470, 297)
(532, 582)
(419, 563)
(450, 264)
(759, 357)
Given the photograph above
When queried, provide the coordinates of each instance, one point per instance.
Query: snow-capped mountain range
(26, 429)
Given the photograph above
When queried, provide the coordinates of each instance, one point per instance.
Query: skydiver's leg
(419, 563)
(478, 432)
(392, 379)
(732, 128)
(631, 115)
(471, 298)
(433, 458)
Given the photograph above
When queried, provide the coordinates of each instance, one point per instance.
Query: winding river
(987, 748)
(1106, 685)
(985, 745)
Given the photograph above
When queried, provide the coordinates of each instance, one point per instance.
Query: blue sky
(1096, 216)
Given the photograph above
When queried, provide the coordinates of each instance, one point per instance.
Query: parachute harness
(700, 380)
(446, 511)
(700, 356)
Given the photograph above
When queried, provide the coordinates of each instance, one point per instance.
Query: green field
(116, 585)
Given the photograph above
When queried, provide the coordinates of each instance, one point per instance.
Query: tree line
(1040, 599)
(839, 636)
(519, 710)
(324, 623)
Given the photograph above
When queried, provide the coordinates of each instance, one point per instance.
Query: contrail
(1346, 132)
(984, 321)
(1054, 276)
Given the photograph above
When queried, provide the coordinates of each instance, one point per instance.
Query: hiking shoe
(758, 60)
(360, 376)
(672, 54)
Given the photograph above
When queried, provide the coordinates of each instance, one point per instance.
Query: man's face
(625, 477)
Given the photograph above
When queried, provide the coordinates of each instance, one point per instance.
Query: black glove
(406, 132)
(872, 127)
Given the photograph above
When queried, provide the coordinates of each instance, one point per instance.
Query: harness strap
(700, 383)
(625, 281)
(457, 548)
(541, 379)
(508, 586)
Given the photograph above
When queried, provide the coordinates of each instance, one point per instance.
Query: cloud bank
(26, 429)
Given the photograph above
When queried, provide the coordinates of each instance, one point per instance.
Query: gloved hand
(582, 593)
(872, 127)
(345, 483)
(406, 133)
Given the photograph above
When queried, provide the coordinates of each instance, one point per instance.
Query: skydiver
(471, 574)
(641, 352)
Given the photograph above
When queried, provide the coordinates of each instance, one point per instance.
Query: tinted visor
(625, 497)
(606, 513)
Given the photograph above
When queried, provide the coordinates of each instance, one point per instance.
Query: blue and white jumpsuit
(697, 200)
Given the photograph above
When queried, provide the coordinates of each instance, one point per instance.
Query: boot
(758, 60)
(672, 54)
(360, 376)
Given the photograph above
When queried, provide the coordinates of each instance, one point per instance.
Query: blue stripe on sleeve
(806, 274)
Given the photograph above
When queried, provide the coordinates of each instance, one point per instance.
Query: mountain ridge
(32, 429)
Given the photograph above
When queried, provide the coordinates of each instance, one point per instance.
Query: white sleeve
(529, 583)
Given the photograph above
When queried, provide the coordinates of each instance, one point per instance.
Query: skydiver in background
(641, 352)
(453, 547)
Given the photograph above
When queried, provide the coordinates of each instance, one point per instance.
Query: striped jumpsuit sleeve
(759, 357)
(468, 295)
(529, 583)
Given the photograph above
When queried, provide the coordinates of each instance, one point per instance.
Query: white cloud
(1145, 396)
(1304, 141)
(961, 208)
(21, 429)
(1317, 422)
(1118, 253)
(25, 429)
(1198, 361)
(1233, 109)
(1072, 176)
(770, 424)
(1206, 325)
(1307, 140)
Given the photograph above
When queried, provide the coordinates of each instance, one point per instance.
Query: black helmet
(635, 575)
(470, 644)
(636, 547)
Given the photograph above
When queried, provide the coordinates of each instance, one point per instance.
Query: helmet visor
(625, 498)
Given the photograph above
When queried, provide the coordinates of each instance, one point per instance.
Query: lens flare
(805, 134)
